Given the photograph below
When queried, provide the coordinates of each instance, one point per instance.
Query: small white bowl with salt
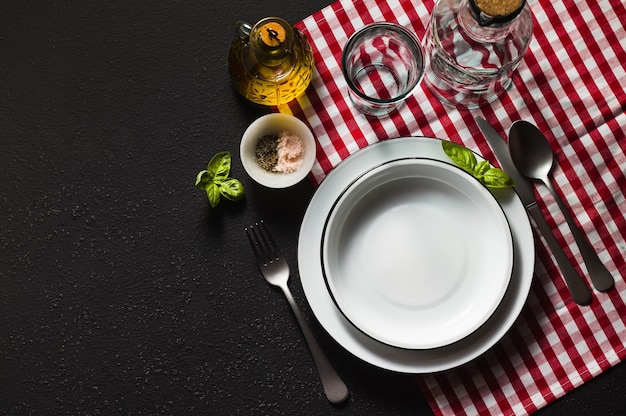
(277, 150)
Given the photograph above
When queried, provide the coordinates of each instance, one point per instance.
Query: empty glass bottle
(473, 47)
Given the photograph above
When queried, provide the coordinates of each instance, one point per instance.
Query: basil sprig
(465, 159)
(216, 182)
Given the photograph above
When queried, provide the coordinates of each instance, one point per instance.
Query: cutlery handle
(334, 387)
(578, 288)
(600, 276)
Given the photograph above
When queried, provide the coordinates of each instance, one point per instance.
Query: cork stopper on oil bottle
(273, 40)
(273, 34)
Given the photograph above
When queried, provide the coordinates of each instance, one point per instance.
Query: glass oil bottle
(270, 63)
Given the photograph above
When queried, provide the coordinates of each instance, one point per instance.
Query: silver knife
(576, 284)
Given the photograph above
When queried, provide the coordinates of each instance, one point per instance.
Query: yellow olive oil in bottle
(270, 63)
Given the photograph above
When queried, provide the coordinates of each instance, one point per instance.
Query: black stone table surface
(121, 291)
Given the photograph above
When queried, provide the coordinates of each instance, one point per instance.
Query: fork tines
(263, 245)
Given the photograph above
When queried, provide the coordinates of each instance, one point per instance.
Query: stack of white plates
(409, 262)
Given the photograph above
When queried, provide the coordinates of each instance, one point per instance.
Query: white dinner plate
(364, 346)
(417, 253)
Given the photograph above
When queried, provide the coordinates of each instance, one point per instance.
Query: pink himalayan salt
(290, 150)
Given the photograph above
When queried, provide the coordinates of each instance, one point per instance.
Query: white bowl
(270, 124)
(417, 254)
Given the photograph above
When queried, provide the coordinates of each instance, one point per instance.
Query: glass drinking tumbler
(382, 64)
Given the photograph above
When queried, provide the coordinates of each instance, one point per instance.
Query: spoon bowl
(530, 151)
(533, 157)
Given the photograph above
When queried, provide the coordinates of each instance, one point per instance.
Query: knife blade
(577, 286)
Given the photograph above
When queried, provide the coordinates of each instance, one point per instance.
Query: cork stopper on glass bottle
(273, 34)
(273, 40)
(496, 11)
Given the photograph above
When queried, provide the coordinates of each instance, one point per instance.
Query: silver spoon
(533, 157)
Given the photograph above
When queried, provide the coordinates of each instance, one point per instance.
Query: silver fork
(275, 270)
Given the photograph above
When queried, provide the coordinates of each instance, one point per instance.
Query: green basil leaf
(497, 178)
(215, 181)
(231, 189)
(481, 168)
(213, 192)
(202, 179)
(219, 167)
(460, 155)
(466, 160)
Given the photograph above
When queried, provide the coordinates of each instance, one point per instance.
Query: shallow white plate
(417, 253)
(354, 340)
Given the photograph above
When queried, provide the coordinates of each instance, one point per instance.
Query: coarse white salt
(290, 150)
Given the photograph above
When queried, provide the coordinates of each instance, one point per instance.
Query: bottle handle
(242, 29)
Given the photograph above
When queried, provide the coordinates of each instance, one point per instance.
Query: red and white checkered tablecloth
(572, 85)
